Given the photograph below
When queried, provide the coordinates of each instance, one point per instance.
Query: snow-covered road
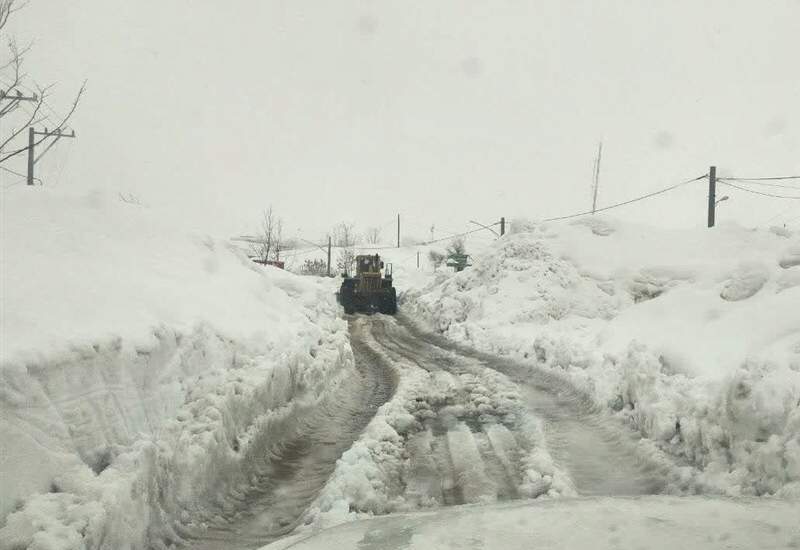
(300, 464)
(475, 442)
(598, 455)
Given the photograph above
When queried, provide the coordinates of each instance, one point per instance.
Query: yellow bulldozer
(370, 289)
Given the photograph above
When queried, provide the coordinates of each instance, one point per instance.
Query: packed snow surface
(692, 336)
(655, 523)
(143, 370)
(453, 433)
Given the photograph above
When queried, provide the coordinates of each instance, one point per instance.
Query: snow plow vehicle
(369, 290)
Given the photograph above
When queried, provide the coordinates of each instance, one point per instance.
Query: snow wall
(692, 336)
(143, 368)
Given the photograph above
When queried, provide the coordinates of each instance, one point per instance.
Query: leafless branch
(33, 120)
(269, 242)
(344, 237)
(373, 235)
(8, 8)
(12, 98)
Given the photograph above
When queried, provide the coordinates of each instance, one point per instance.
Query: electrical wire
(757, 182)
(464, 234)
(647, 196)
(763, 179)
(10, 171)
(759, 192)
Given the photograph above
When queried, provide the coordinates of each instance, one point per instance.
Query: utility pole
(417, 259)
(596, 178)
(329, 255)
(712, 195)
(5, 96)
(502, 226)
(32, 159)
(398, 231)
(14, 99)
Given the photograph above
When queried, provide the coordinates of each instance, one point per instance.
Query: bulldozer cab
(368, 263)
(371, 265)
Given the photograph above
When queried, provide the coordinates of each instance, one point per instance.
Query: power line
(653, 194)
(10, 171)
(425, 243)
(763, 179)
(32, 91)
(759, 192)
(464, 234)
(758, 182)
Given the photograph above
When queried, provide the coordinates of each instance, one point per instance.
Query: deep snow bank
(693, 336)
(142, 368)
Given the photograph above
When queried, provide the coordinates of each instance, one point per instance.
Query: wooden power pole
(329, 255)
(32, 158)
(502, 226)
(13, 100)
(398, 231)
(712, 195)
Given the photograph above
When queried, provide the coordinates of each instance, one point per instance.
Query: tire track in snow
(480, 439)
(301, 463)
(599, 454)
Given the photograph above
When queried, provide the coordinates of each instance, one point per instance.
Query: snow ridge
(692, 338)
(146, 372)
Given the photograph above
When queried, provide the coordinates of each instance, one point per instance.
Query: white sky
(443, 111)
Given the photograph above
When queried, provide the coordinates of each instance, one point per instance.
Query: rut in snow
(464, 452)
(475, 441)
(598, 454)
(299, 466)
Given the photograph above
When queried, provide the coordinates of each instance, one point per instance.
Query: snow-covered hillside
(142, 368)
(692, 336)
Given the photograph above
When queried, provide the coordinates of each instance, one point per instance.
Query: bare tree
(344, 238)
(268, 241)
(278, 243)
(15, 118)
(373, 235)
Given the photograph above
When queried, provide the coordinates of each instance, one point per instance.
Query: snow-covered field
(142, 368)
(693, 336)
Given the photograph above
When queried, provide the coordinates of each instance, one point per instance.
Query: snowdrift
(691, 336)
(142, 371)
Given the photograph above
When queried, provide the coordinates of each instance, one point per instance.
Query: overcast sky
(443, 111)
